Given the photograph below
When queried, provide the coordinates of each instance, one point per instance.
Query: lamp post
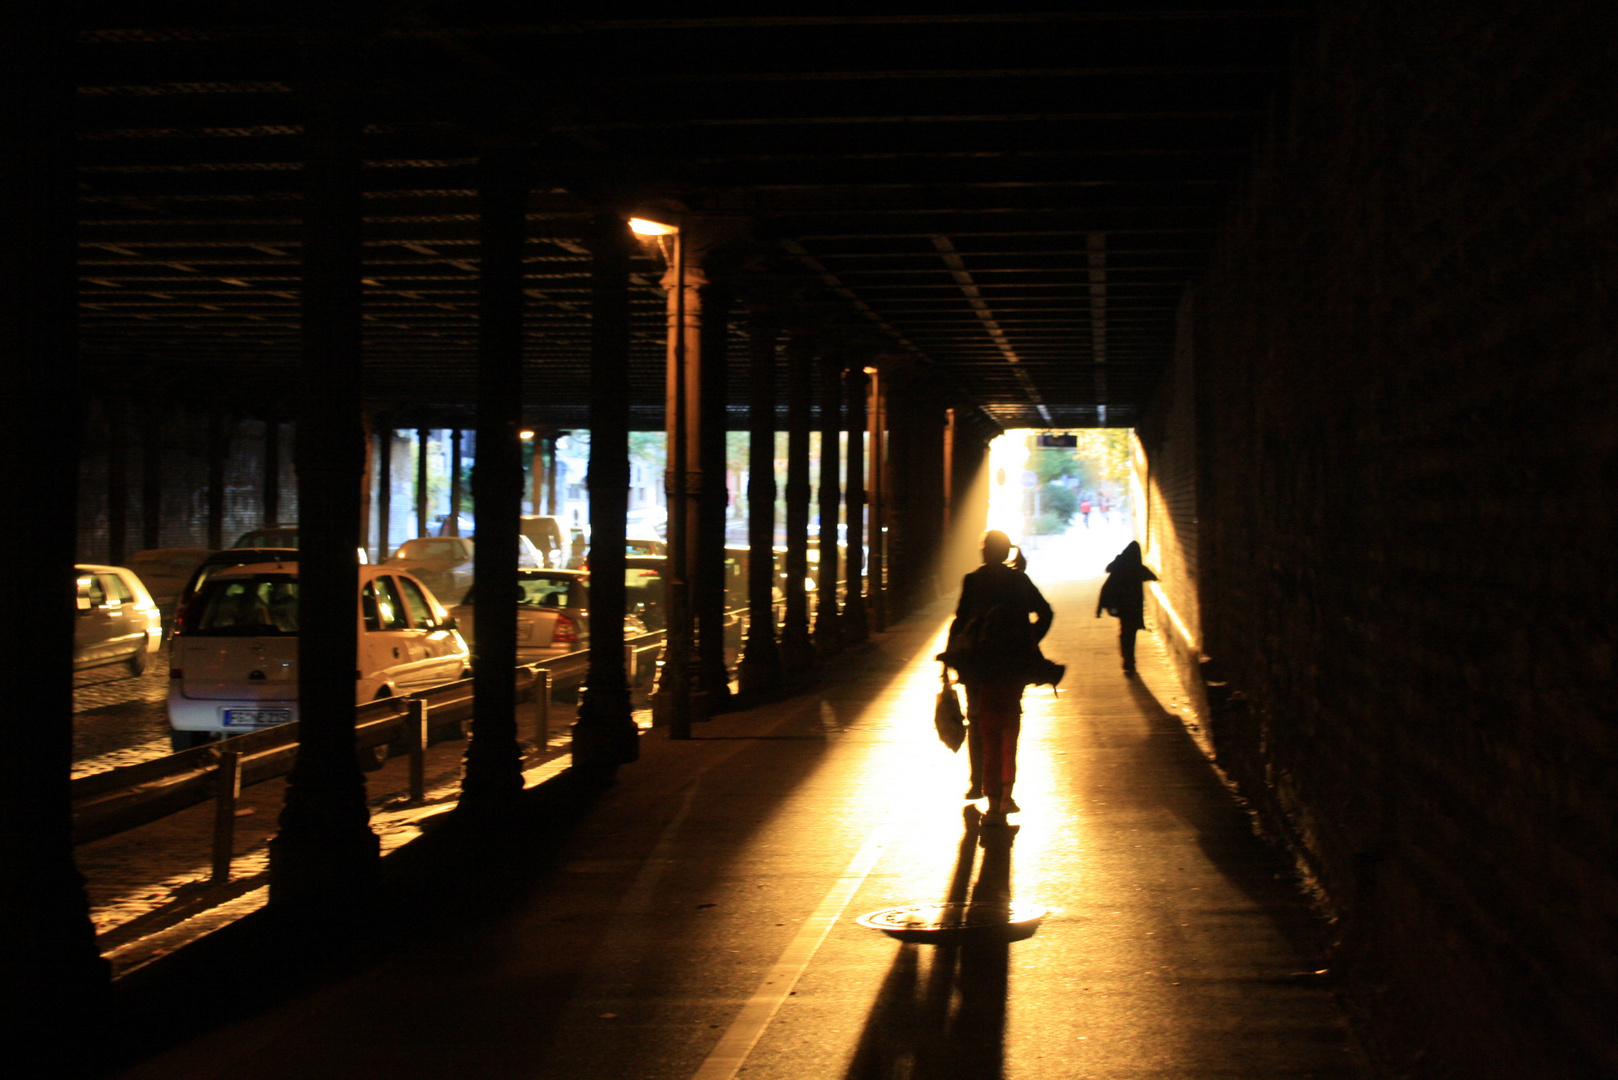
(672, 703)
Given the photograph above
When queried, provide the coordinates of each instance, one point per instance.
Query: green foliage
(1047, 523)
(1061, 501)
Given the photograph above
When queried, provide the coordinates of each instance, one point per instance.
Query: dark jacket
(1121, 593)
(997, 590)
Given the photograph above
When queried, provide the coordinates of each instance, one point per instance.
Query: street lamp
(675, 689)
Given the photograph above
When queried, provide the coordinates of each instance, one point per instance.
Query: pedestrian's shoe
(1008, 805)
(974, 792)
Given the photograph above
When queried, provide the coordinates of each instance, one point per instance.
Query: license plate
(256, 717)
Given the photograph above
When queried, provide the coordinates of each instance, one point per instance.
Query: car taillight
(566, 630)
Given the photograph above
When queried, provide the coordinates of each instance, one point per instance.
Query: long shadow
(940, 1013)
(456, 881)
(1254, 863)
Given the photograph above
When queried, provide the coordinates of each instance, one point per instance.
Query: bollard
(542, 709)
(227, 788)
(629, 662)
(416, 735)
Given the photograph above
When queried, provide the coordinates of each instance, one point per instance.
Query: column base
(605, 735)
(327, 878)
(760, 668)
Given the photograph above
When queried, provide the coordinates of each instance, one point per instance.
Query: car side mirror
(449, 623)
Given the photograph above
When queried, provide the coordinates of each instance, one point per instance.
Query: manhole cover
(950, 924)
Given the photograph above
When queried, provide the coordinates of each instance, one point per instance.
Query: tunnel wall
(1167, 517)
(141, 431)
(1402, 360)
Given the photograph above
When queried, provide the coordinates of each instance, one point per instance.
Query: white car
(233, 661)
(553, 614)
(118, 622)
(443, 563)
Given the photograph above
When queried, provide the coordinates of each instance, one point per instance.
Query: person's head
(996, 546)
(1131, 553)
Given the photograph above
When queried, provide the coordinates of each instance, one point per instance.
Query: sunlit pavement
(700, 921)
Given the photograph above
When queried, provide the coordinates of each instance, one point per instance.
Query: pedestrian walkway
(698, 920)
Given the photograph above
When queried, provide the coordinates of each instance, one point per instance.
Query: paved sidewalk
(696, 920)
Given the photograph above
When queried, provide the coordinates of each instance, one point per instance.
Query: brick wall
(1167, 514)
(1404, 407)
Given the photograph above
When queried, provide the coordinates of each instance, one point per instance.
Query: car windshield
(431, 548)
(265, 605)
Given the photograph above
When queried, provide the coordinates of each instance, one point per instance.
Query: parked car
(233, 662)
(164, 572)
(118, 621)
(269, 536)
(643, 588)
(636, 545)
(443, 563)
(553, 614)
(280, 536)
(222, 560)
(550, 535)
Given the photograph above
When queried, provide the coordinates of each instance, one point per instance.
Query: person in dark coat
(1123, 595)
(994, 690)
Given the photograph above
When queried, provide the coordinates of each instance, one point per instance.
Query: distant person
(1085, 508)
(1123, 595)
(994, 648)
(1106, 509)
(578, 552)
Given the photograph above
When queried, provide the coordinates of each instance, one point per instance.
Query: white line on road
(744, 1032)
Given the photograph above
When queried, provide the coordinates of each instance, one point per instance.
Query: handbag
(947, 718)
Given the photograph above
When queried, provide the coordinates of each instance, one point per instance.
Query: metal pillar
(56, 1014)
(324, 860)
(760, 667)
(117, 482)
(828, 633)
(877, 495)
(856, 627)
(423, 510)
(493, 778)
(455, 466)
(552, 503)
(797, 650)
(384, 489)
(673, 703)
(605, 735)
(709, 577)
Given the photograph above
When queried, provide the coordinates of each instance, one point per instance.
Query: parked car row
(235, 627)
(233, 662)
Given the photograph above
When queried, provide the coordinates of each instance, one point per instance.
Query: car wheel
(137, 663)
(188, 740)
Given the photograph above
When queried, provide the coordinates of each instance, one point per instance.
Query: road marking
(744, 1032)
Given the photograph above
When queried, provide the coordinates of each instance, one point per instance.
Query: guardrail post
(228, 787)
(416, 733)
(629, 664)
(542, 709)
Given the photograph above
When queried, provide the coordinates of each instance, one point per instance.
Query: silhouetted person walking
(995, 650)
(1122, 594)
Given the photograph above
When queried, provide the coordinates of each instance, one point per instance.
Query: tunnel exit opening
(1067, 498)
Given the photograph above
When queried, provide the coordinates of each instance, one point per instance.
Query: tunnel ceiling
(1013, 199)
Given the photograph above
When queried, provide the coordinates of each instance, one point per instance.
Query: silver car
(118, 621)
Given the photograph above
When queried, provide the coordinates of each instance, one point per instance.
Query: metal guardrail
(115, 801)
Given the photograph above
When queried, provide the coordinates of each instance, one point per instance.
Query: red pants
(994, 719)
